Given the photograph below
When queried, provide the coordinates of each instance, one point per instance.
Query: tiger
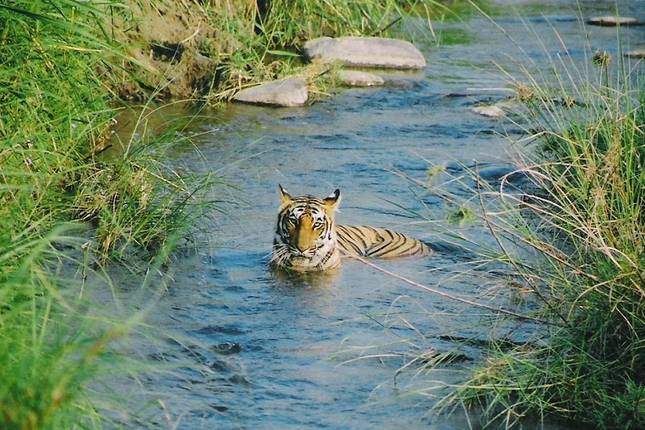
(308, 239)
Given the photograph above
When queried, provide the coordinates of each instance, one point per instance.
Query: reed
(583, 220)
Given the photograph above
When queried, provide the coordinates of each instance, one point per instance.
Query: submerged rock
(636, 53)
(227, 348)
(355, 78)
(489, 111)
(611, 21)
(365, 52)
(496, 173)
(285, 92)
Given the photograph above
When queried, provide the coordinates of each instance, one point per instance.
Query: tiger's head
(305, 235)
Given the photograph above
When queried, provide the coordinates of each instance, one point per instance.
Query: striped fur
(367, 241)
(307, 238)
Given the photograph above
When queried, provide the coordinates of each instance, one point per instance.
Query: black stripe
(414, 244)
(348, 245)
(391, 246)
(390, 233)
(358, 235)
(327, 257)
(349, 237)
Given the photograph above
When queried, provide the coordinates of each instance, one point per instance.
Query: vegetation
(193, 48)
(585, 219)
(55, 117)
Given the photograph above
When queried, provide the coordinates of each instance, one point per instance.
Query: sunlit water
(256, 350)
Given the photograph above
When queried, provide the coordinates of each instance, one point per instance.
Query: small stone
(355, 78)
(489, 111)
(287, 92)
(497, 173)
(636, 53)
(612, 21)
(227, 348)
(365, 52)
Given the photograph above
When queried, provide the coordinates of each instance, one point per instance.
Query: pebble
(489, 111)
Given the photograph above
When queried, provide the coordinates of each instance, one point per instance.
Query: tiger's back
(368, 241)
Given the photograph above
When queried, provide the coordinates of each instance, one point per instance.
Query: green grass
(57, 112)
(586, 224)
(46, 359)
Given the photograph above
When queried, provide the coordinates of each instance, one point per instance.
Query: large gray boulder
(365, 52)
(287, 92)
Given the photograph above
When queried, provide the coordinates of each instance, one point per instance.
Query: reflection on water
(260, 349)
(291, 279)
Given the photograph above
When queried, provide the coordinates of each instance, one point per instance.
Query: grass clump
(46, 360)
(138, 202)
(56, 115)
(586, 222)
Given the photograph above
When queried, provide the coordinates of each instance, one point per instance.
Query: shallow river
(255, 350)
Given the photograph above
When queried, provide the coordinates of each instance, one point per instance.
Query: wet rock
(636, 53)
(612, 21)
(365, 52)
(286, 93)
(496, 173)
(210, 330)
(227, 348)
(219, 408)
(239, 380)
(354, 78)
(218, 365)
(491, 111)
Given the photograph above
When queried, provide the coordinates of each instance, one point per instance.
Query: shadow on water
(259, 349)
(288, 279)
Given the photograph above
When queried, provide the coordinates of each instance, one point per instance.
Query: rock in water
(285, 92)
(365, 52)
(355, 78)
(636, 53)
(489, 111)
(612, 21)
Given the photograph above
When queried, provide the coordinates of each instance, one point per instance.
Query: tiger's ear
(333, 200)
(285, 197)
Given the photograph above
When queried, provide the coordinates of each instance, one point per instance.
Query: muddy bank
(213, 49)
(174, 49)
